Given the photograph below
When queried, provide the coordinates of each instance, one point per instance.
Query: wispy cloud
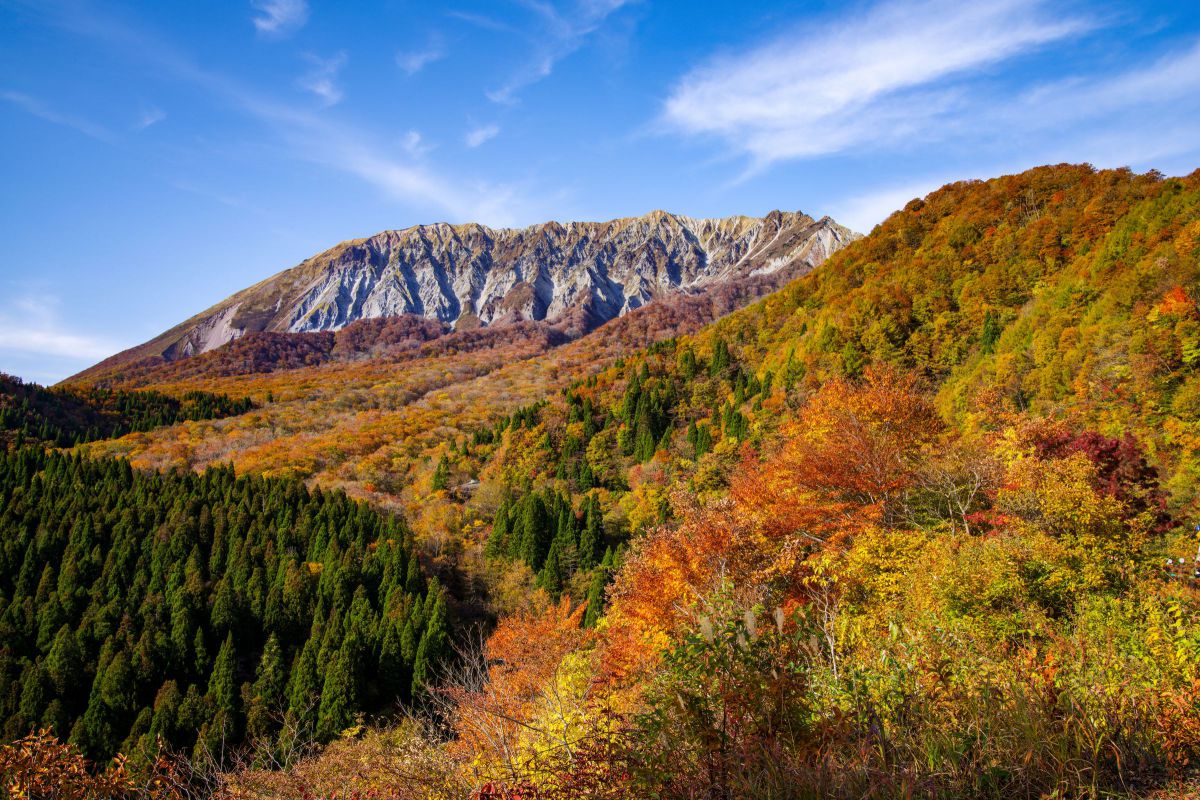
(37, 108)
(321, 80)
(1146, 116)
(148, 117)
(413, 61)
(862, 212)
(498, 205)
(320, 139)
(279, 18)
(30, 326)
(414, 144)
(882, 77)
(220, 197)
(481, 21)
(479, 135)
(1172, 79)
(556, 35)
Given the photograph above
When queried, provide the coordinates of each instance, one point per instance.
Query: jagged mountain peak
(574, 275)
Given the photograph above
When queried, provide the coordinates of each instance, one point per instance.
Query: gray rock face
(580, 273)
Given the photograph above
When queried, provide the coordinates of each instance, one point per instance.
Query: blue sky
(159, 155)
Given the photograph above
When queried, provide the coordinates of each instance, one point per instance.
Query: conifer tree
(497, 543)
(64, 664)
(339, 696)
(270, 684)
(533, 534)
(165, 723)
(165, 570)
(591, 539)
(304, 684)
(394, 674)
(991, 332)
(551, 576)
(223, 689)
(441, 475)
(432, 647)
(721, 358)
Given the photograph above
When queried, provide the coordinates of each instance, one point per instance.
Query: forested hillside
(920, 524)
(70, 416)
(898, 529)
(199, 610)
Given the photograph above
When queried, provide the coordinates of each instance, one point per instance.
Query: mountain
(574, 276)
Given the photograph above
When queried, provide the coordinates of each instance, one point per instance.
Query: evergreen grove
(200, 609)
(65, 417)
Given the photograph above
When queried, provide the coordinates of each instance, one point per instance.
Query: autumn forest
(919, 522)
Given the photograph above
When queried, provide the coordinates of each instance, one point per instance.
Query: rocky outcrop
(576, 275)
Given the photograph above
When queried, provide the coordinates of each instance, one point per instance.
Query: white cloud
(321, 80)
(414, 144)
(1145, 117)
(1171, 82)
(42, 111)
(479, 135)
(862, 212)
(482, 21)
(496, 205)
(319, 140)
(413, 61)
(148, 117)
(879, 78)
(558, 34)
(30, 329)
(279, 17)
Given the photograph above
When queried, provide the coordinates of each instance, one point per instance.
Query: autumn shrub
(404, 762)
(980, 684)
(40, 767)
(728, 712)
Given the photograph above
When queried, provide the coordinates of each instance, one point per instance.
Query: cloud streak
(477, 136)
(148, 117)
(37, 108)
(558, 35)
(1173, 78)
(279, 18)
(1142, 117)
(414, 144)
(878, 79)
(30, 326)
(481, 21)
(392, 168)
(413, 61)
(321, 80)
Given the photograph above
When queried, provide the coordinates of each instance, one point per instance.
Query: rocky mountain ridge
(574, 276)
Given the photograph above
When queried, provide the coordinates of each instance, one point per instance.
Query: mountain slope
(574, 276)
(928, 488)
(1062, 292)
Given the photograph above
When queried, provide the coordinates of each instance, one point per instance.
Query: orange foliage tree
(517, 701)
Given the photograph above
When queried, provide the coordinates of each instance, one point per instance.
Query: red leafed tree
(1122, 470)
